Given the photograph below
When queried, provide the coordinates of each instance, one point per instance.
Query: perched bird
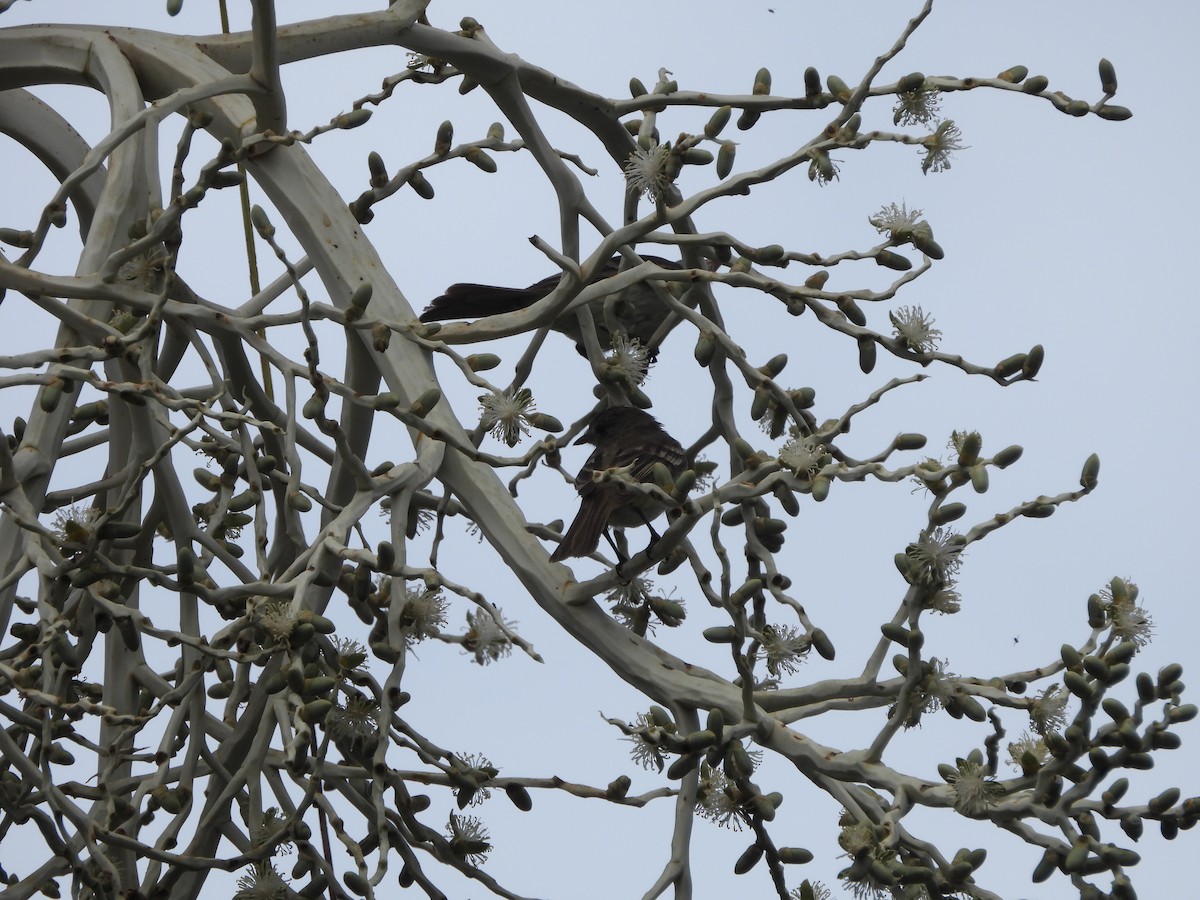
(637, 309)
(624, 436)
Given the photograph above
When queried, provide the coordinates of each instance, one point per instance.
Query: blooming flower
(802, 454)
(1129, 621)
(1048, 712)
(468, 838)
(423, 615)
(1028, 744)
(919, 107)
(913, 326)
(262, 882)
(784, 647)
(936, 557)
(896, 221)
(629, 358)
(486, 638)
(505, 414)
(940, 145)
(974, 791)
(357, 722)
(646, 171)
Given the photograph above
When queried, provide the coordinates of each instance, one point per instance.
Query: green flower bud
(1077, 108)
(866, 353)
(481, 159)
(1036, 84)
(1007, 456)
(747, 119)
(911, 82)
(822, 644)
(819, 487)
(444, 139)
(725, 159)
(762, 82)
(839, 88)
(519, 796)
(1091, 472)
(422, 406)
(636, 88)
(481, 362)
(1114, 113)
(706, 348)
(947, 513)
(421, 185)
(812, 82)
(718, 121)
(721, 634)
(748, 860)
(1108, 77)
(353, 119)
(890, 260)
(1033, 361)
(1014, 75)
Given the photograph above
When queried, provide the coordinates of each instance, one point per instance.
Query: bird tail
(472, 301)
(583, 536)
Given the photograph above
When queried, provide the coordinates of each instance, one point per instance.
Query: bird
(624, 437)
(638, 309)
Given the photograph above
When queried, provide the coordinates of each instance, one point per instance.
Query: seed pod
(718, 121)
(1108, 77)
(1036, 84)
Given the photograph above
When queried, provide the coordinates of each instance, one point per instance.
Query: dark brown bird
(638, 310)
(625, 436)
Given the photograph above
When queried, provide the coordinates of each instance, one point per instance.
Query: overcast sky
(1071, 233)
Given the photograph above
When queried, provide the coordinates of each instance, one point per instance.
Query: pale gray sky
(1072, 233)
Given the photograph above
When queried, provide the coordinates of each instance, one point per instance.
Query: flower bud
(718, 121)
(1108, 77)
(421, 185)
(1036, 84)
(1013, 75)
(725, 159)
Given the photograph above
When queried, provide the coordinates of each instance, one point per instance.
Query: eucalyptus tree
(205, 668)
